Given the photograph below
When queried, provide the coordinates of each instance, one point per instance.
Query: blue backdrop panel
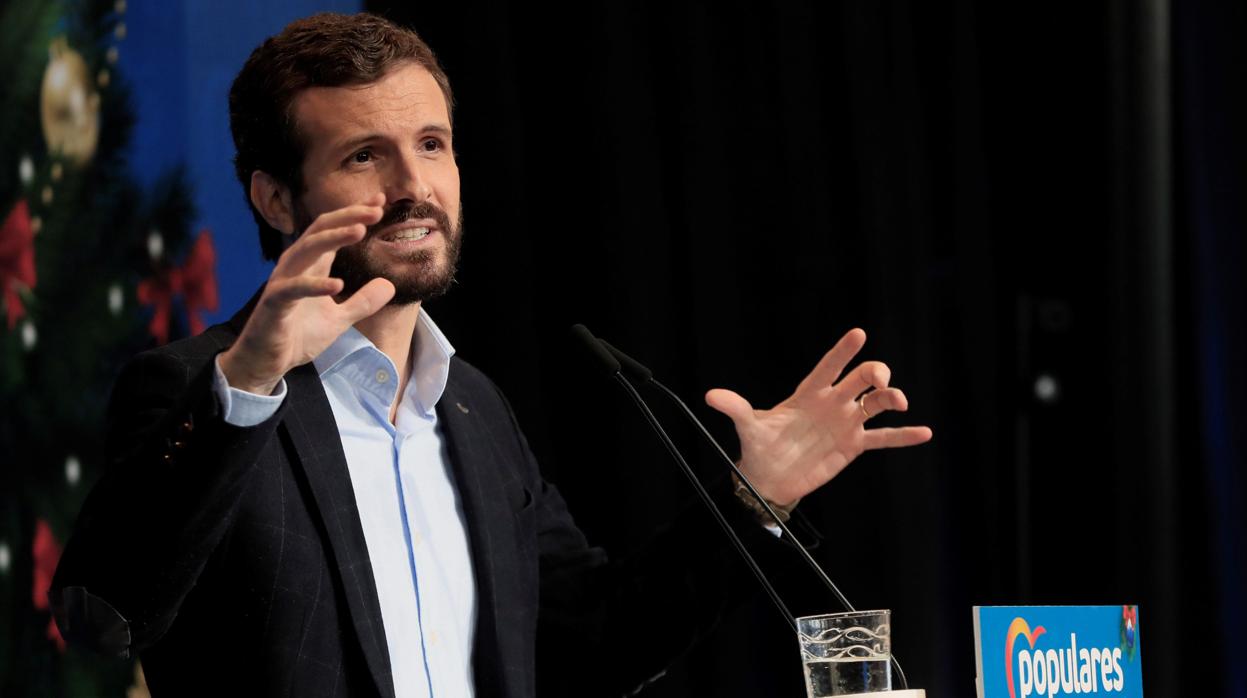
(180, 58)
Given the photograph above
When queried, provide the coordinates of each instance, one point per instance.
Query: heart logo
(1018, 627)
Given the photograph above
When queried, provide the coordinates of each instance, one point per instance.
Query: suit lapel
(479, 492)
(312, 433)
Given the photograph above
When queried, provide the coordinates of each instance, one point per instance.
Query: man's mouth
(409, 234)
(408, 231)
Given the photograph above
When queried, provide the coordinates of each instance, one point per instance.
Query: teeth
(412, 234)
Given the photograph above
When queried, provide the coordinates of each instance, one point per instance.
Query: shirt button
(434, 637)
(382, 376)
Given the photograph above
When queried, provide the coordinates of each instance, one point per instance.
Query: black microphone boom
(609, 362)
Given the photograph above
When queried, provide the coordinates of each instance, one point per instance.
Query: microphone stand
(612, 365)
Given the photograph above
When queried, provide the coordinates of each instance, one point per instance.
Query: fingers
(309, 249)
(896, 437)
(730, 404)
(367, 300)
(867, 375)
(877, 401)
(330, 232)
(367, 213)
(829, 368)
(882, 400)
(293, 288)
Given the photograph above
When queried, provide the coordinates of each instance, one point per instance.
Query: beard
(419, 276)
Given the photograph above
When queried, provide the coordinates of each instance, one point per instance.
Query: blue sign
(1032, 651)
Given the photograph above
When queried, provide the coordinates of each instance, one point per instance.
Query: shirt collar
(430, 359)
(430, 362)
(344, 346)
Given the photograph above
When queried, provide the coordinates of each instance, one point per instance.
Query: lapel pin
(461, 407)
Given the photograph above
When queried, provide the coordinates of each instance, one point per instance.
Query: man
(320, 496)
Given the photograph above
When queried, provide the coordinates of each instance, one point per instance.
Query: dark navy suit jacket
(232, 560)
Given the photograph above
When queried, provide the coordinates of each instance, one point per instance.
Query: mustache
(406, 210)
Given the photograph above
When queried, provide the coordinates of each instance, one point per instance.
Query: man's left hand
(797, 446)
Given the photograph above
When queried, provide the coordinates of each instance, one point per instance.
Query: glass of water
(846, 653)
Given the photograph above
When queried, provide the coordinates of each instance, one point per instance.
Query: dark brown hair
(324, 50)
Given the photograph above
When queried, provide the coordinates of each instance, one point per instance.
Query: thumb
(368, 300)
(731, 404)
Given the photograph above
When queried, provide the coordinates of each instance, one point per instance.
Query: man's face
(391, 136)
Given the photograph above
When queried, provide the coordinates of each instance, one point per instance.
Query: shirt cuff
(241, 408)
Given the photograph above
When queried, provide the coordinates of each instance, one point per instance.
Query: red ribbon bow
(195, 281)
(17, 259)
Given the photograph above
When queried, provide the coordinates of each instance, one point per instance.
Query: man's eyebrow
(438, 129)
(353, 143)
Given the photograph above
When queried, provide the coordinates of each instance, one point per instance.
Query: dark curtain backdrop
(724, 188)
(1211, 77)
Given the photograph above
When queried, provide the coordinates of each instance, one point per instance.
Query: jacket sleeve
(174, 475)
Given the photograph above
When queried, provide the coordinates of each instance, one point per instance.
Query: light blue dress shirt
(408, 503)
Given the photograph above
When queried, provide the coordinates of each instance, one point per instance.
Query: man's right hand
(297, 316)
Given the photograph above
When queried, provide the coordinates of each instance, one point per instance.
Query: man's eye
(431, 145)
(362, 156)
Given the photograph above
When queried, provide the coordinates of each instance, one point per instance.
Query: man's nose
(409, 181)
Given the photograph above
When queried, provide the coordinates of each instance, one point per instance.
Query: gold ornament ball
(69, 105)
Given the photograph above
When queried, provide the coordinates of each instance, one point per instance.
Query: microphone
(612, 366)
(599, 352)
(645, 376)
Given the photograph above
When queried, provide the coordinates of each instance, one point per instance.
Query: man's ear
(273, 200)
